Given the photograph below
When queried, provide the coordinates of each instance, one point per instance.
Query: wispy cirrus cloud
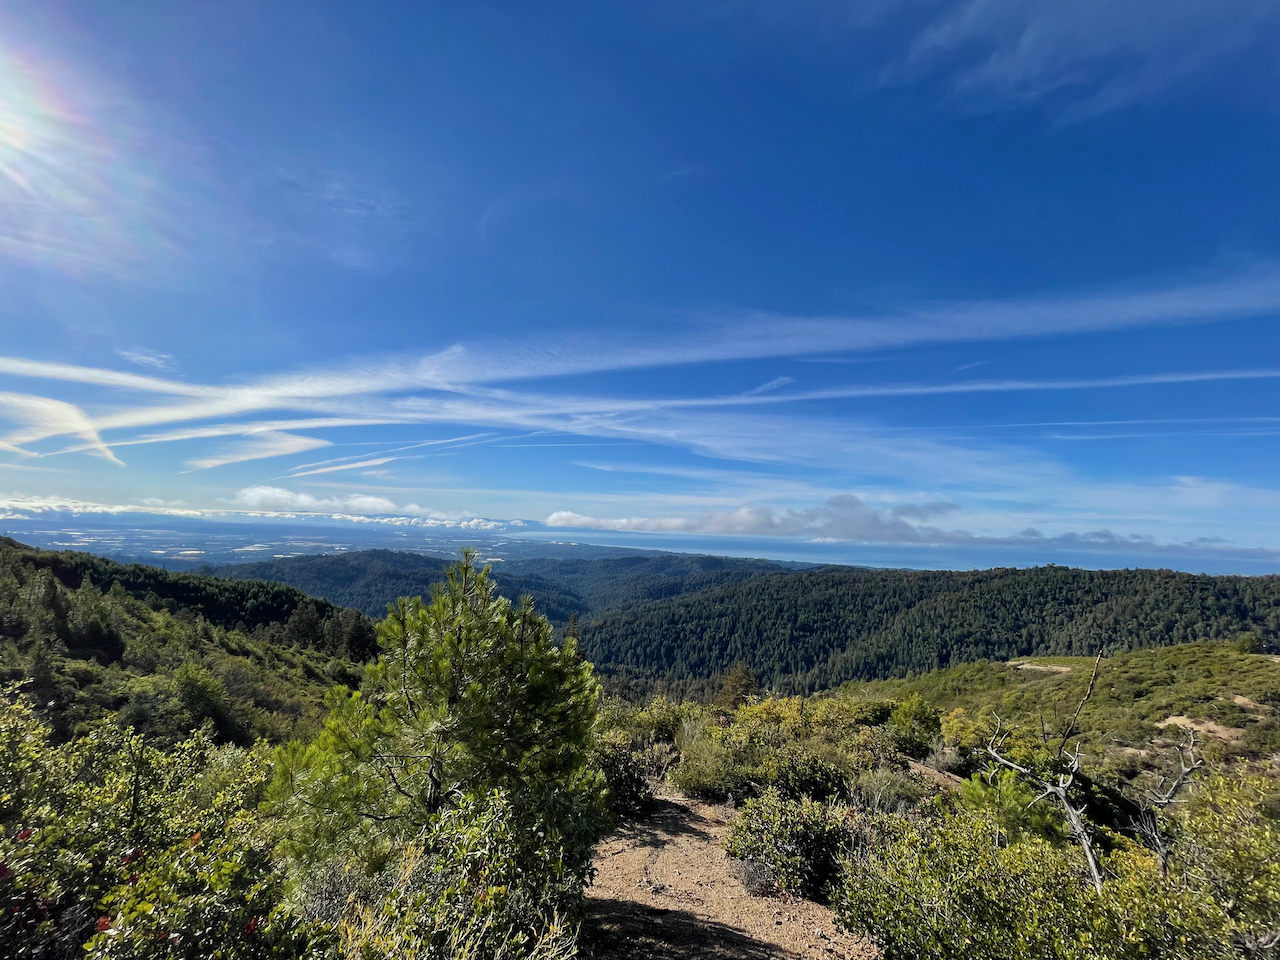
(658, 420)
(457, 375)
(359, 464)
(1090, 56)
(1102, 55)
(140, 356)
(41, 417)
(258, 447)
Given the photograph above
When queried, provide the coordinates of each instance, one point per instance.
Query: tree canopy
(470, 694)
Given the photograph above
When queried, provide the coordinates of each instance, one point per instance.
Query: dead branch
(1058, 787)
(1166, 791)
(1148, 826)
(1072, 727)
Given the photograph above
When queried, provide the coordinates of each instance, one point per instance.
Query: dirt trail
(663, 891)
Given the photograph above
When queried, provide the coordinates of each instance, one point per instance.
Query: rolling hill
(808, 630)
(368, 580)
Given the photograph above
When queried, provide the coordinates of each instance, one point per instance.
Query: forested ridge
(219, 600)
(368, 580)
(678, 622)
(810, 630)
(168, 653)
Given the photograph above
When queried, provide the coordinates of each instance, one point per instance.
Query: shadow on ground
(627, 930)
(663, 820)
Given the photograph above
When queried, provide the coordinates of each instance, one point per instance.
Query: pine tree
(469, 695)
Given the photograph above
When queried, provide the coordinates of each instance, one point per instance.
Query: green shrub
(1011, 807)
(1229, 848)
(470, 694)
(1247, 643)
(663, 717)
(940, 888)
(915, 725)
(797, 773)
(138, 852)
(477, 883)
(886, 789)
(710, 770)
(799, 841)
(624, 774)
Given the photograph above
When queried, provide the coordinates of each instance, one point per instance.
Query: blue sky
(987, 279)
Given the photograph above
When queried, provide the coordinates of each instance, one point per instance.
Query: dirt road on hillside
(664, 891)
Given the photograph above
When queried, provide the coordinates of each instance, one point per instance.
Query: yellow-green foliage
(1121, 723)
(136, 851)
(462, 889)
(1229, 846)
(799, 841)
(818, 746)
(940, 888)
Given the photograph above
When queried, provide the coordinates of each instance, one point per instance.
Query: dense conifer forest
(810, 630)
(677, 623)
(368, 580)
(168, 653)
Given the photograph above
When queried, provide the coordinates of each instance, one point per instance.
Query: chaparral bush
(939, 887)
(134, 851)
(799, 841)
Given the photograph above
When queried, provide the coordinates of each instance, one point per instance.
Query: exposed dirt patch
(1132, 751)
(1208, 727)
(948, 781)
(1041, 667)
(1248, 704)
(664, 891)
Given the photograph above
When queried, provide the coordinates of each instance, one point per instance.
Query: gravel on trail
(664, 890)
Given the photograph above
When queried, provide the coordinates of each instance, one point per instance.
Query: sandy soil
(1041, 667)
(664, 891)
(1209, 728)
(1252, 705)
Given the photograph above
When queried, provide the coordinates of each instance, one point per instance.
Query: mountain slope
(813, 629)
(368, 580)
(167, 653)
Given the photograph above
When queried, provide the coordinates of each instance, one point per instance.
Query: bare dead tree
(1058, 786)
(1161, 796)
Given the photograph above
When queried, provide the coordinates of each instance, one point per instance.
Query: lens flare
(77, 194)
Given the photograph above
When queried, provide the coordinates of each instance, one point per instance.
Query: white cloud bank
(849, 518)
(844, 517)
(267, 499)
(263, 501)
